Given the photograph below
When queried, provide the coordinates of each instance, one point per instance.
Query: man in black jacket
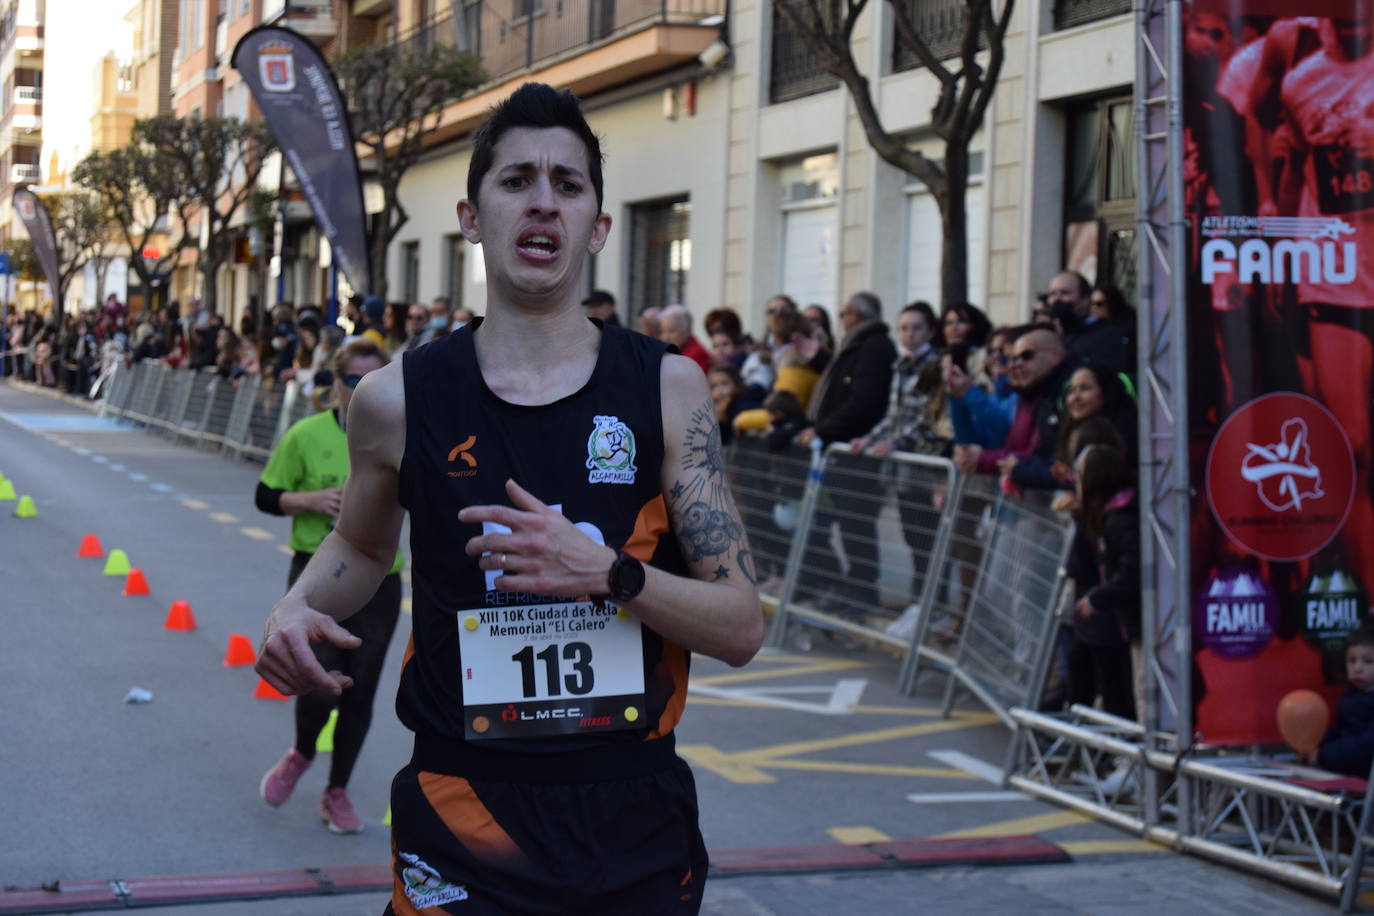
(850, 398)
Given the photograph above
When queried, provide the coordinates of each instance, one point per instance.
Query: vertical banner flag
(38, 224)
(305, 111)
(1279, 178)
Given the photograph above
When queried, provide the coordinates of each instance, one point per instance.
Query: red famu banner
(1279, 178)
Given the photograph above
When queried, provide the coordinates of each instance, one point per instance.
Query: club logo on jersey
(610, 452)
(463, 452)
(426, 887)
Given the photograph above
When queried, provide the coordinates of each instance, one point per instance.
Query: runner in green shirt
(304, 479)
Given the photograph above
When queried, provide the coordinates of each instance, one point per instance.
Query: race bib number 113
(550, 669)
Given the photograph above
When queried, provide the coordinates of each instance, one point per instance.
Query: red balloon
(1303, 717)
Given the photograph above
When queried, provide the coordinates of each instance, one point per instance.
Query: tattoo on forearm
(700, 501)
(338, 573)
(745, 559)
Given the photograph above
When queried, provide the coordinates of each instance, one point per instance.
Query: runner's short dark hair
(533, 105)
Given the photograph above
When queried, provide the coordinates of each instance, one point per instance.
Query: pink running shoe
(337, 812)
(281, 779)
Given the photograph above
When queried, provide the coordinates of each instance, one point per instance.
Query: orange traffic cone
(239, 652)
(179, 617)
(265, 691)
(90, 547)
(135, 584)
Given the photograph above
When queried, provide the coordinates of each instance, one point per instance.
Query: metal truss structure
(1265, 816)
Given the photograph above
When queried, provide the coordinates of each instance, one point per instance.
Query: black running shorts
(607, 831)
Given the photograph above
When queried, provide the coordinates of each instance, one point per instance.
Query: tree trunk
(209, 271)
(954, 225)
(377, 242)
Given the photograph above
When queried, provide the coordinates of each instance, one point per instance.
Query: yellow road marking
(838, 664)
(923, 712)
(257, 534)
(282, 548)
(1102, 847)
(857, 836)
(967, 720)
(1037, 823)
(195, 504)
(728, 766)
(866, 769)
(225, 518)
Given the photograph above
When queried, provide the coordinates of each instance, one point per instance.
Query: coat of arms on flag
(276, 68)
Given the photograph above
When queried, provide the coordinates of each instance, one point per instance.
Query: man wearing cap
(373, 309)
(601, 304)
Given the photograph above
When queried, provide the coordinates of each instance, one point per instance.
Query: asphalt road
(794, 749)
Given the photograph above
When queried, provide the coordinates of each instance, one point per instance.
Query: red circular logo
(1281, 476)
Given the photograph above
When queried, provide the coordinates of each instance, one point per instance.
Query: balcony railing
(940, 23)
(23, 171)
(1069, 13)
(514, 35)
(28, 95)
(795, 71)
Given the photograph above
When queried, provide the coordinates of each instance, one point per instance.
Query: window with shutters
(660, 253)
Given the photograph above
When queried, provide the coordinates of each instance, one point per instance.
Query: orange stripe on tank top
(457, 804)
(650, 526)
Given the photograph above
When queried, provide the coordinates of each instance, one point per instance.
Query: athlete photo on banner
(1279, 191)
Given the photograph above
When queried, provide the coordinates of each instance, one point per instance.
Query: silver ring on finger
(503, 561)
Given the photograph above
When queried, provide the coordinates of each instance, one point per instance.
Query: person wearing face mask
(1088, 337)
(304, 479)
(439, 320)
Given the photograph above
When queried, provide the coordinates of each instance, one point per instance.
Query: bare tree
(967, 83)
(82, 226)
(139, 185)
(216, 162)
(396, 93)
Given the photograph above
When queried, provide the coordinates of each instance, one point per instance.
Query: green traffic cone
(6, 490)
(26, 508)
(324, 744)
(117, 564)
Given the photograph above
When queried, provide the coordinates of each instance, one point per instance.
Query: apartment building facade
(21, 104)
(731, 182)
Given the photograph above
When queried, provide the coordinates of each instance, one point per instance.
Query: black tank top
(462, 444)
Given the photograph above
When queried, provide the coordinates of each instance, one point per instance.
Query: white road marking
(118, 467)
(972, 765)
(841, 698)
(141, 478)
(161, 487)
(100, 459)
(949, 798)
(82, 451)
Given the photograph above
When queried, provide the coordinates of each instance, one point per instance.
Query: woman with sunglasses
(304, 479)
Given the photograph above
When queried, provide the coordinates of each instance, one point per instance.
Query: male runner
(545, 460)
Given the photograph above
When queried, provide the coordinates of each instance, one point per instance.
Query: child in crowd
(1349, 744)
(786, 418)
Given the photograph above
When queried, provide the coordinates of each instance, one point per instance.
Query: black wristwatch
(626, 578)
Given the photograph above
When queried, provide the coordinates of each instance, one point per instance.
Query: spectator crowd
(1044, 410)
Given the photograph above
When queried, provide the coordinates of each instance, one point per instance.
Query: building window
(660, 252)
(810, 228)
(454, 253)
(410, 272)
(1069, 13)
(940, 23)
(795, 72)
(1099, 192)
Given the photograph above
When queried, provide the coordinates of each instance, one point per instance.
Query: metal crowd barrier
(903, 552)
(241, 418)
(906, 552)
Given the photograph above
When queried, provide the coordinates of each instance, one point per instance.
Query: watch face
(628, 577)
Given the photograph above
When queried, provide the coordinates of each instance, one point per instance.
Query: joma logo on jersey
(462, 452)
(610, 452)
